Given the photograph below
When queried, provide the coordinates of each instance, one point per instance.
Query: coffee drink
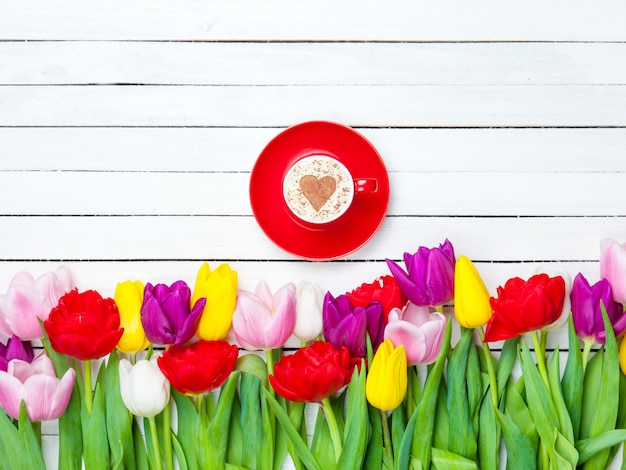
(318, 189)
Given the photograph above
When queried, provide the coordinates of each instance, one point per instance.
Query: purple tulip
(15, 349)
(166, 315)
(345, 325)
(44, 395)
(587, 313)
(429, 279)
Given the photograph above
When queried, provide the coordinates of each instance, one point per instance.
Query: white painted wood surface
(128, 130)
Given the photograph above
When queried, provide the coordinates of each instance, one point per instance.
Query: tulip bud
(145, 390)
(309, 300)
(613, 267)
(129, 298)
(386, 382)
(471, 297)
(219, 288)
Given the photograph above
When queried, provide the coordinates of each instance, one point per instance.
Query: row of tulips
(177, 382)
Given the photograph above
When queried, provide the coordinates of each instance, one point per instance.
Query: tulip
(567, 304)
(84, 325)
(145, 390)
(129, 298)
(418, 330)
(199, 368)
(219, 288)
(15, 349)
(523, 306)
(265, 321)
(385, 290)
(44, 395)
(587, 313)
(471, 297)
(429, 279)
(309, 301)
(613, 267)
(385, 386)
(29, 300)
(345, 325)
(166, 313)
(622, 355)
(312, 373)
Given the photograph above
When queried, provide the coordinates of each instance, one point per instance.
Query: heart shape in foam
(317, 190)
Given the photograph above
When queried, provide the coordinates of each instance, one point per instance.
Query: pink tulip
(45, 396)
(29, 300)
(613, 267)
(418, 330)
(262, 320)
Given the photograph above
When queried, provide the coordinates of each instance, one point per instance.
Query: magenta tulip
(15, 349)
(587, 313)
(429, 278)
(613, 267)
(45, 396)
(418, 330)
(29, 300)
(262, 320)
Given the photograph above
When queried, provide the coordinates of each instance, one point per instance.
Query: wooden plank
(322, 20)
(251, 106)
(236, 149)
(214, 193)
(500, 239)
(336, 63)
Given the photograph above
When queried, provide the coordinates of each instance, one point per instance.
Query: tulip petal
(12, 393)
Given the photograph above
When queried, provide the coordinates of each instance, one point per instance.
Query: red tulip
(523, 306)
(199, 368)
(84, 325)
(312, 373)
(385, 290)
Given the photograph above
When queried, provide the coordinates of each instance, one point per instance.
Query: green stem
(387, 445)
(541, 358)
(167, 437)
(493, 383)
(155, 443)
(586, 351)
(332, 426)
(87, 383)
(269, 361)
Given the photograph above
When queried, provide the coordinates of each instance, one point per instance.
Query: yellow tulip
(471, 298)
(385, 386)
(128, 298)
(219, 287)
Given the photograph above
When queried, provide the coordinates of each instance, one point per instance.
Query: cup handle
(365, 185)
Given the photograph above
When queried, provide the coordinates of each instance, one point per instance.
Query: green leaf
(591, 391)
(252, 364)
(30, 445)
(218, 430)
(441, 433)
(96, 453)
(608, 396)
(9, 441)
(180, 454)
(567, 454)
(446, 460)
(374, 452)
(301, 448)
(462, 438)
(322, 445)
(357, 421)
(234, 449)
(488, 436)
(573, 377)
(521, 448)
(119, 420)
(251, 420)
(475, 387)
(267, 451)
(187, 418)
(587, 448)
(419, 431)
(565, 422)
(141, 456)
(505, 365)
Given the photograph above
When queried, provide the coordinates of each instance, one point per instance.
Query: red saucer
(334, 239)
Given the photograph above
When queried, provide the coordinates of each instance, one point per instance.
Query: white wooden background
(128, 130)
